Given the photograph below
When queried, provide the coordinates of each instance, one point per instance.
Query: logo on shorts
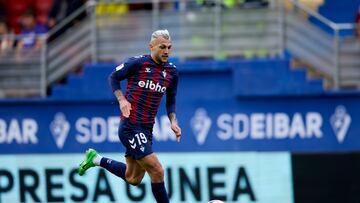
(59, 128)
(340, 122)
(200, 124)
(140, 138)
(132, 143)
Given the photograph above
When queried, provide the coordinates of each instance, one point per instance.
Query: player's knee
(134, 180)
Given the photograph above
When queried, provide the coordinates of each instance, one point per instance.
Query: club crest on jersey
(164, 73)
(119, 67)
(149, 84)
(147, 70)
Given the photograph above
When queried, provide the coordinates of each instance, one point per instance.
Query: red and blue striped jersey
(147, 82)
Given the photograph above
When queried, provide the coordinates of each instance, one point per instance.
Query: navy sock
(115, 167)
(159, 192)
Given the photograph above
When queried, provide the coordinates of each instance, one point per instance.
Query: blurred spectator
(42, 9)
(6, 41)
(75, 5)
(62, 8)
(31, 32)
(58, 11)
(357, 23)
(14, 10)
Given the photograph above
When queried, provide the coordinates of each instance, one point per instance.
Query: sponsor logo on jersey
(149, 84)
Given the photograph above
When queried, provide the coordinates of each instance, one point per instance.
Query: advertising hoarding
(190, 177)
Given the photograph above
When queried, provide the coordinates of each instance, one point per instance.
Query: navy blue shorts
(136, 138)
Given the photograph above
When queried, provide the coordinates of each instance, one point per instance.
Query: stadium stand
(338, 12)
(207, 32)
(267, 102)
(273, 78)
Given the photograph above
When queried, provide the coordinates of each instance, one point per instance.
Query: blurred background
(268, 99)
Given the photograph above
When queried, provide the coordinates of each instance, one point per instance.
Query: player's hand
(177, 131)
(125, 107)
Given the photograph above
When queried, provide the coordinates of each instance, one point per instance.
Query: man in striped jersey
(149, 77)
